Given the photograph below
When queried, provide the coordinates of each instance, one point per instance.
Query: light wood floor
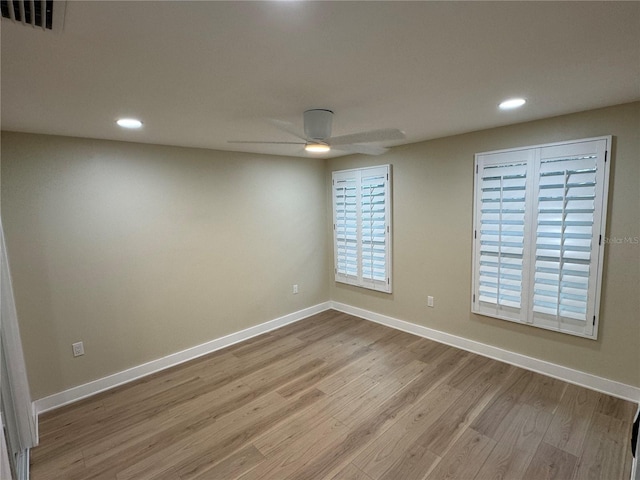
(336, 397)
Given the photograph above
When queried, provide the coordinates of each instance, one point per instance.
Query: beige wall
(141, 251)
(433, 186)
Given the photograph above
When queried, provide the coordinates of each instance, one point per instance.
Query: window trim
(526, 314)
(357, 280)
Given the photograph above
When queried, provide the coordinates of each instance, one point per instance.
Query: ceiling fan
(317, 135)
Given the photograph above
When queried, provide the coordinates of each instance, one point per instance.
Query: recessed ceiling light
(129, 123)
(512, 103)
(317, 147)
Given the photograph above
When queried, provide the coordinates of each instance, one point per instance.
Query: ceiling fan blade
(359, 148)
(265, 142)
(287, 127)
(383, 135)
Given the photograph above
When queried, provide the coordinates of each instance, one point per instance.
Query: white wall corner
(5, 467)
(34, 413)
(635, 470)
(86, 390)
(583, 379)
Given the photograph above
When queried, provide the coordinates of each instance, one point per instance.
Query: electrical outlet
(78, 349)
(295, 289)
(429, 301)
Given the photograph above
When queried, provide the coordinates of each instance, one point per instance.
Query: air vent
(46, 14)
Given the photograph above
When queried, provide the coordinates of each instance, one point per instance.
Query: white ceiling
(202, 73)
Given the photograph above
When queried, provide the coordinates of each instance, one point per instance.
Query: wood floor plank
(543, 392)
(615, 407)
(206, 447)
(391, 363)
(381, 454)
(464, 410)
(378, 421)
(362, 407)
(412, 465)
(329, 328)
(150, 458)
(292, 430)
(377, 363)
(222, 401)
(61, 467)
(351, 472)
(286, 462)
(396, 341)
(526, 429)
(362, 366)
(70, 417)
(204, 459)
(265, 346)
(338, 401)
(335, 397)
(462, 460)
(74, 439)
(244, 460)
(550, 463)
(602, 458)
(428, 351)
(309, 380)
(294, 328)
(519, 437)
(272, 350)
(285, 368)
(568, 429)
(505, 462)
(466, 376)
(370, 333)
(503, 404)
(627, 462)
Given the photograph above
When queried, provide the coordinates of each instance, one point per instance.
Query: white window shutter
(539, 217)
(501, 232)
(345, 226)
(568, 216)
(362, 227)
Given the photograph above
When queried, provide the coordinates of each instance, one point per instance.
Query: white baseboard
(593, 382)
(577, 377)
(88, 389)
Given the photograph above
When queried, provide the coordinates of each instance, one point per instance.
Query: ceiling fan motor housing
(317, 124)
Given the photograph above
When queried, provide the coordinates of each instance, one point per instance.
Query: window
(362, 227)
(539, 217)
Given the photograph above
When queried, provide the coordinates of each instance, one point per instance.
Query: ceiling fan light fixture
(317, 138)
(317, 147)
(512, 103)
(131, 123)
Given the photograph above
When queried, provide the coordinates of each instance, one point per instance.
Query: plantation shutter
(568, 220)
(374, 226)
(362, 227)
(500, 236)
(539, 216)
(346, 227)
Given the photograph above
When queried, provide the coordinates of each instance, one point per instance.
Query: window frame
(357, 175)
(532, 156)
